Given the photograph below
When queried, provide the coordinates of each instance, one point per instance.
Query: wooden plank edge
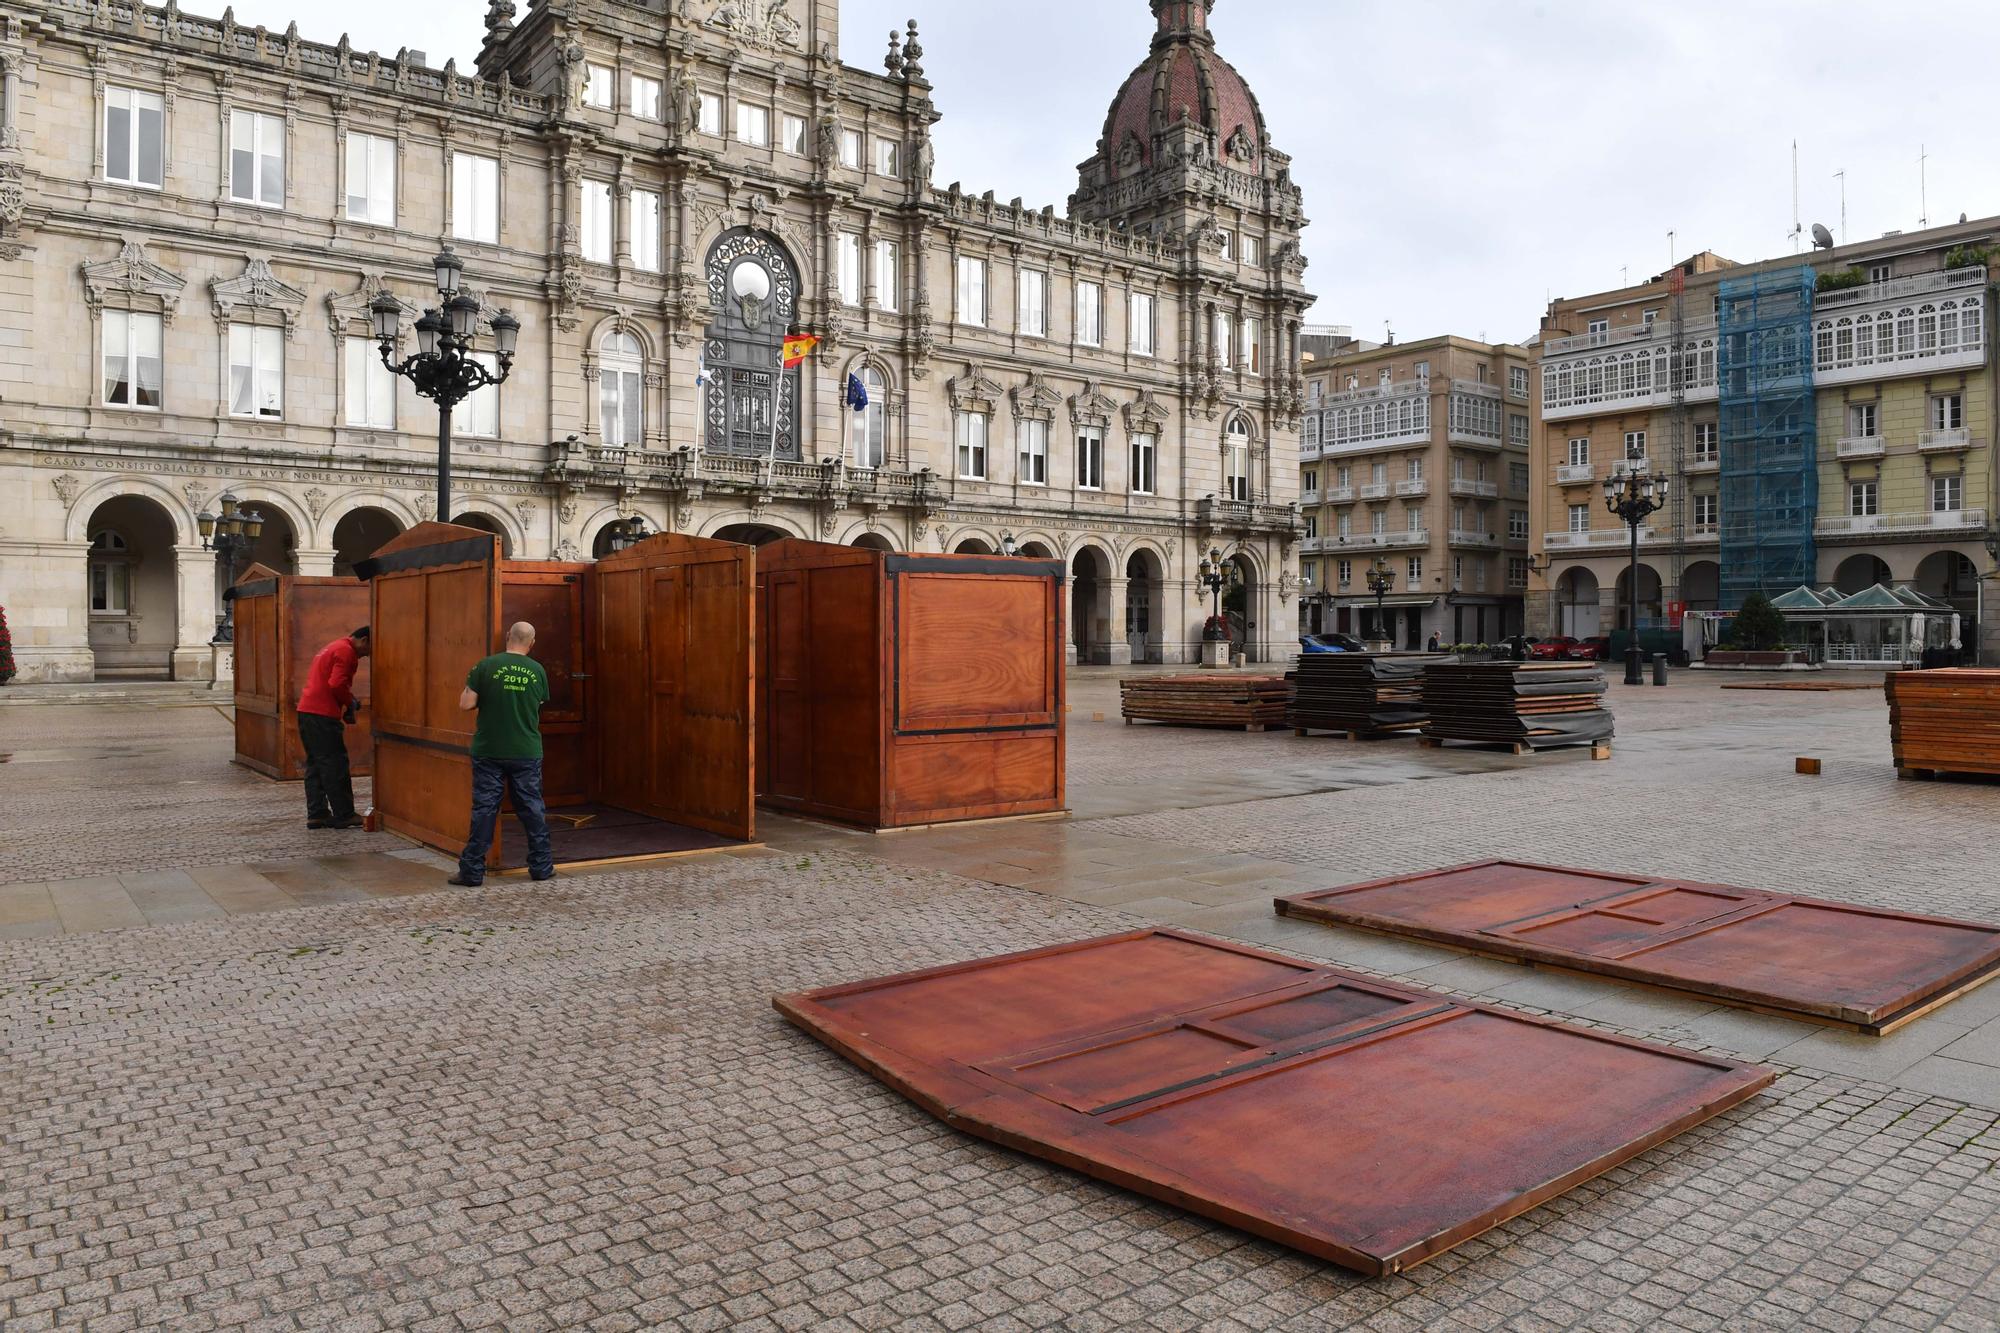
(641, 859)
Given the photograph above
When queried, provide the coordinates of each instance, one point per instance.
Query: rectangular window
(1034, 453)
(1878, 273)
(1414, 469)
(1517, 476)
(621, 405)
(850, 149)
(888, 158)
(1948, 411)
(1414, 569)
(1089, 314)
(646, 97)
(131, 359)
(134, 138)
(1707, 441)
(371, 387)
(597, 82)
(1579, 453)
(643, 221)
(871, 424)
(1224, 345)
(1862, 420)
(1635, 444)
(479, 414)
(1517, 525)
(753, 125)
(888, 275)
(475, 198)
(711, 113)
(109, 587)
(1309, 479)
(847, 255)
(969, 431)
(1253, 346)
(597, 221)
(795, 135)
(256, 372)
(1034, 302)
(371, 179)
(1422, 370)
(256, 159)
(1600, 329)
(1253, 251)
(1947, 495)
(1517, 429)
(972, 294)
(1228, 242)
(1458, 571)
(1146, 466)
(1517, 381)
(1863, 499)
(1090, 458)
(1345, 572)
(1579, 518)
(1346, 524)
(1237, 458)
(1706, 508)
(1517, 571)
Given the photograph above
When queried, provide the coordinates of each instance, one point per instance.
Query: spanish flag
(797, 348)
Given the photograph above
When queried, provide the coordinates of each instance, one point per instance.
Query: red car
(1593, 650)
(1559, 649)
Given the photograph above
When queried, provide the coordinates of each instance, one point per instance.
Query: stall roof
(1877, 600)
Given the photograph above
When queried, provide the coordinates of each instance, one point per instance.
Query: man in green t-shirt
(508, 691)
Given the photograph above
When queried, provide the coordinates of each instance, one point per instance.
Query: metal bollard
(1659, 668)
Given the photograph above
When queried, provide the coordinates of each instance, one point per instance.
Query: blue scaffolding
(1770, 434)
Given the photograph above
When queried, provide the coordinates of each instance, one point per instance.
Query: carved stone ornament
(427, 506)
(193, 491)
(1092, 407)
(525, 511)
(974, 391)
(1036, 399)
(566, 512)
(132, 275)
(66, 487)
(344, 309)
(568, 551)
(257, 288)
(762, 25)
(315, 502)
(1241, 146)
(1145, 416)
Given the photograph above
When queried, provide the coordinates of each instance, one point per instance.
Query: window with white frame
(1483, 371)
(1517, 525)
(478, 415)
(888, 275)
(1947, 411)
(753, 124)
(1139, 316)
(1345, 524)
(1378, 521)
(850, 149)
(710, 113)
(1517, 429)
(1253, 251)
(795, 135)
(1033, 435)
(256, 159)
(1384, 375)
(371, 387)
(1947, 494)
(1413, 569)
(1223, 340)
(1312, 525)
(1517, 476)
(1228, 242)
(110, 574)
(1517, 381)
(1413, 468)
(847, 266)
(475, 197)
(371, 179)
(648, 97)
(1236, 459)
(1252, 358)
(1635, 444)
(1309, 479)
(621, 391)
(1878, 273)
(1579, 518)
(1422, 370)
(1034, 303)
(1600, 329)
(1863, 420)
(888, 158)
(597, 221)
(1707, 441)
(643, 221)
(972, 293)
(1579, 452)
(597, 84)
(1517, 571)
(1344, 572)
(131, 359)
(1863, 499)
(1146, 465)
(1090, 458)
(871, 423)
(968, 430)
(1707, 512)
(256, 371)
(134, 138)
(1378, 473)
(1089, 314)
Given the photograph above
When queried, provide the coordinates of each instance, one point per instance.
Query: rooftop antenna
(1624, 275)
(1798, 229)
(1672, 253)
(1822, 238)
(1841, 176)
(1924, 185)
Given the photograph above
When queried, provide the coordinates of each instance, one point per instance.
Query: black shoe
(351, 821)
(460, 882)
(319, 823)
(543, 879)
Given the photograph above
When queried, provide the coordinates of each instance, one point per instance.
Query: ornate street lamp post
(1381, 578)
(443, 368)
(628, 534)
(1635, 497)
(1215, 574)
(230, 535)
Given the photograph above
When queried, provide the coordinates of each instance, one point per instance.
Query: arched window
(621, 389)
(110, 574)
(871, 424)
(1236, 459)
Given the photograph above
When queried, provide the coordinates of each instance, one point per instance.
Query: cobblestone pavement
(571, 1105)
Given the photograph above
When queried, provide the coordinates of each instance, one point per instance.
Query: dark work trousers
(521, 779)
(329, 786)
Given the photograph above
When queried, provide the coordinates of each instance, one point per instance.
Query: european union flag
(857, 393)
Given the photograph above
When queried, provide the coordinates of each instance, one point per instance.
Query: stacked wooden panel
(1362, 694)
(1945, 721)
(1529, 705)
(1253, 703)
(282, 621)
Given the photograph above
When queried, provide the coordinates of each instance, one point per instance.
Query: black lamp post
(1380, 579)
(230, 534)
(1635, 497)
(1215, 574)
(624, 536)
(443, 368)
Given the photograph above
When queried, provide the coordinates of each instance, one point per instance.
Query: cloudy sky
(1460, 161)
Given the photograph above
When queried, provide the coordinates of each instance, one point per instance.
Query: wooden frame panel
(1364, 1122)
(1868, 969)
(282, 621)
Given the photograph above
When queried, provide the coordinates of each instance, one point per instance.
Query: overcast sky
(1461, 161)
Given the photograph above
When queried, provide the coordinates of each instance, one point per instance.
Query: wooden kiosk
(648, 731)
(282, 621)
(902, 690)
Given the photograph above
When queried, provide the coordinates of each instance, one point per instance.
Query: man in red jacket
(326, 707)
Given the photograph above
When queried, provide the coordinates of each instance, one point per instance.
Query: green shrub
(1759, 627)
(1839, 280)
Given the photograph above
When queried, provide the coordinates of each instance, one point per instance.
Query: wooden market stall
(900, 690)
(648, 730)
(282, 621)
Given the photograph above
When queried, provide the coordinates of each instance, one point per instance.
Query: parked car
(1330, 643)
(1592, 650)
(1561, 648)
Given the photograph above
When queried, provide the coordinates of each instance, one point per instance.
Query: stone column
(45, 588)
(314, 564)
(195, 598)
(1118, 651)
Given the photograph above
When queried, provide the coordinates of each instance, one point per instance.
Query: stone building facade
(194, 216)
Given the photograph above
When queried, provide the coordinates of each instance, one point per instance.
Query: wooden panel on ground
(1252, 703)
(900, 690)
(1945, 721)
(282, 621)
(1361, 694)
(1366, 1123)
(1863, 968)
(1526, 705)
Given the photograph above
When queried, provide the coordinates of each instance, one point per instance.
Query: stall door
(551, 598)
(260, 738)
(675, 721)
(435, 611)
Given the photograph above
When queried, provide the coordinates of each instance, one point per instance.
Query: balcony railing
(1860, 446)
(1482, 539)
(1944, 441)
(1467, 486)
(1375, 541)
(1339, 495)
(1417, 388)
(1309, 498)
(1417, 486)
(1845, 524)
(1630, 333)
(1703, 463)
(1378, 490)
(1569, 474)
(1922, 284)
(1621, 537)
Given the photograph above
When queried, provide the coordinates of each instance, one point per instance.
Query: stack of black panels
(1537, 704)
(1361, 693)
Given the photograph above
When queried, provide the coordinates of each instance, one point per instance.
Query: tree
(6, 649)
(1759, 627)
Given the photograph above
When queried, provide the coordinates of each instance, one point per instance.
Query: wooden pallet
(1359, 734)
(1945, 721)
(1598, 749)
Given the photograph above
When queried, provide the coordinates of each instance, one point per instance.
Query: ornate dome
(1183, 79)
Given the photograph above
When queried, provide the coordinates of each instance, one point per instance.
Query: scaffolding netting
(1770, 434)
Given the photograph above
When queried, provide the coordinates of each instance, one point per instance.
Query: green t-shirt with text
(512, 689)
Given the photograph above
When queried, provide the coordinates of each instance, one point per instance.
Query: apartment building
(1826, 419)
(1415, 455)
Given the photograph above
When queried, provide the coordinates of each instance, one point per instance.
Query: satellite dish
(1822, 238)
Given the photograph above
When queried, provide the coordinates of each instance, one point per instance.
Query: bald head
(520, 637)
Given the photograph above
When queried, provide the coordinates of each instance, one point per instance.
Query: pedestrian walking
(326, 709)
(507, 690)
(1437, 642)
